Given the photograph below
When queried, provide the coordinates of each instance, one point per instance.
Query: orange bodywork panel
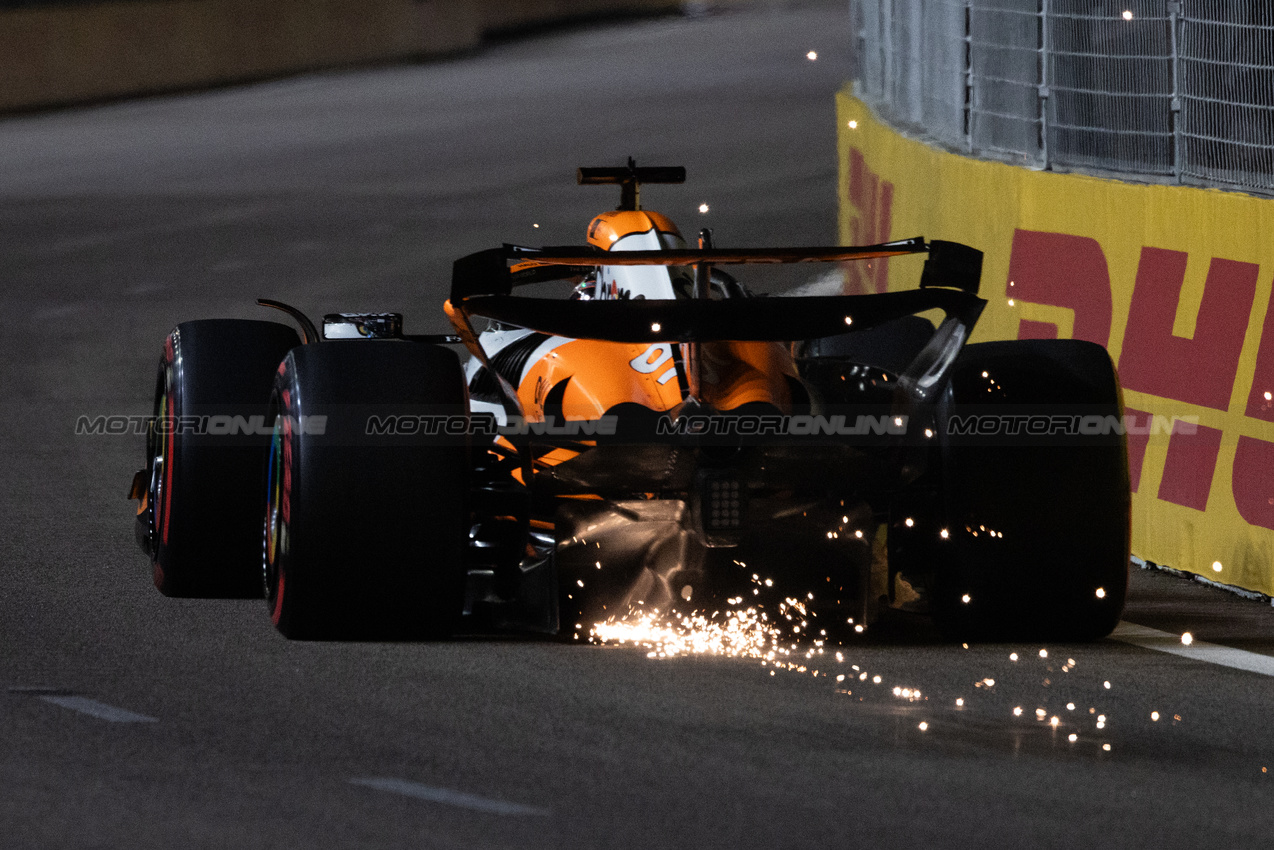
(604, 374)
(738, 373)
(601, 375)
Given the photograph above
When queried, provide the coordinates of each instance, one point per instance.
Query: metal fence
(1180, 90)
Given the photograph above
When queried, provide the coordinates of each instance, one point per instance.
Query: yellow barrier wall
(1175, 282)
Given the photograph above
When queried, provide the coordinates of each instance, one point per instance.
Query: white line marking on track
(448, 797)
(1211, 653)
(100, 710)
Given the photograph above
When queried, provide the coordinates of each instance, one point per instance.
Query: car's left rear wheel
(205, 456)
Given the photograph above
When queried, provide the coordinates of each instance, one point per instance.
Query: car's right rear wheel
(1035, 495)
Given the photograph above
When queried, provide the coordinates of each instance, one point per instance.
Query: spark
(875, 680)
(1012, 656)
(1043, 653)
(1039, 712)
(960, 702)
(1269, 396)
(1216, 565)
(535, 225)
(1127, 16)
(849, 320)
(944, 534)
(655, 327)
(853, 125)
(1106, 685)
(1054, 721)
(1187, 639)
(1101, 593)
(1106, 747)
(1070, 706)
(909, 522)
(966, 599)
(1072, 737)
(1011, 302)
(812, 55)
(1154, 716)
(1017, 711)
(703, 208)
(923, 726)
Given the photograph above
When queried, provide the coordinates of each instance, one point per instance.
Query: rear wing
(949, 264)
(482, 284)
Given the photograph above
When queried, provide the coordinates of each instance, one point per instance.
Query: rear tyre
(205, 456)
(364, 525)
(1037, 521)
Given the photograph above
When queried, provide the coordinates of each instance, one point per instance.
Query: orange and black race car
(633, 442)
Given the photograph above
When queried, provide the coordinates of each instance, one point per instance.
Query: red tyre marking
(168, 466)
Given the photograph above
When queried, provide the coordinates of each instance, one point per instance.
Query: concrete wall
(83, 53)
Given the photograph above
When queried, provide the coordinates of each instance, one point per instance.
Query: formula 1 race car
(647, 439)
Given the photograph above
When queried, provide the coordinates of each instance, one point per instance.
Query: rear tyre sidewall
(204, 498)
(364, 535)
(1038, 527)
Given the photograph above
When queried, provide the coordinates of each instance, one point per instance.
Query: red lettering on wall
(1253, 482)
(874, 199)
(1187, 472)
(1061, 270)
(1138, 437)
(1199, 370)
(1028, 329)
(1260, 402)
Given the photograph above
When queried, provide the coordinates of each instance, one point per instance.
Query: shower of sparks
(741, 634)
(786, 638)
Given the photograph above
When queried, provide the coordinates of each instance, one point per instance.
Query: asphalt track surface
(132, 720)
